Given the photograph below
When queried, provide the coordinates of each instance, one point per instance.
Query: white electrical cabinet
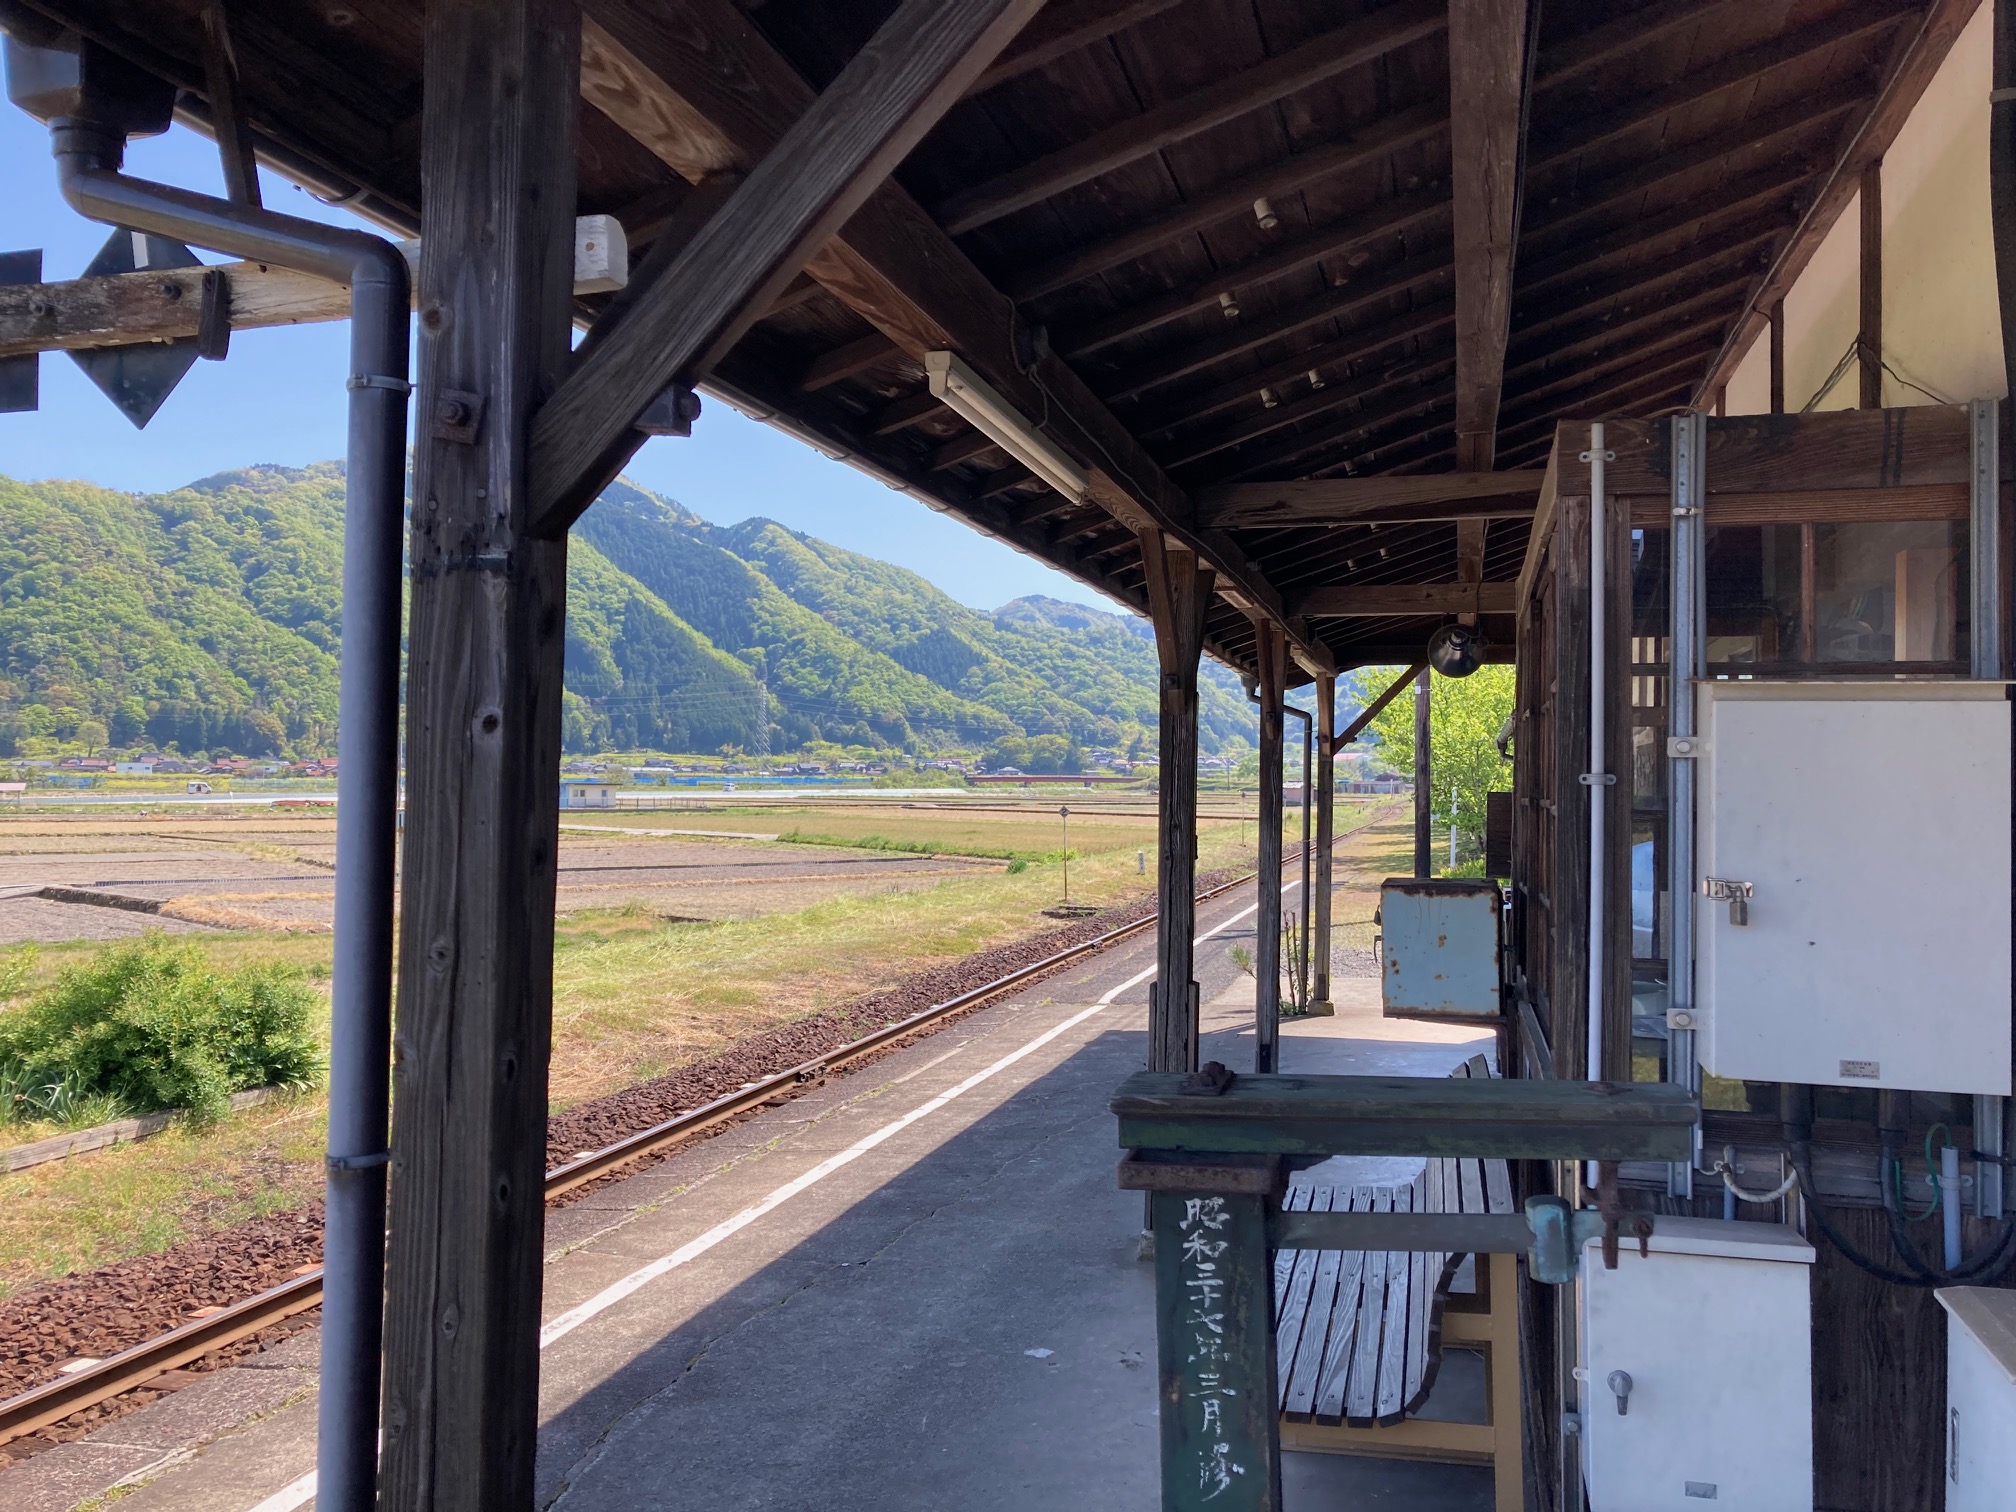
(1980, 1398)
(1854, 856)
(1696, 1371)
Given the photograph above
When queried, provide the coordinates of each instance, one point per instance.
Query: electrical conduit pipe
(1597, 779)
(88, 159)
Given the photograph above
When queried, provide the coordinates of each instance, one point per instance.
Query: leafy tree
(93, 735)
(1464, 718)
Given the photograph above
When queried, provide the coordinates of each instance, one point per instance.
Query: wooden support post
(1778, 357)
(483, 752)
(1870, 342)
(1179, 593)
(1267, 922)
(1424, 773)
(1318, 907)
(1214, 1300)
(1568, 802)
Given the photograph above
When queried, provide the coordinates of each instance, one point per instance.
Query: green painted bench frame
(1214, 1165)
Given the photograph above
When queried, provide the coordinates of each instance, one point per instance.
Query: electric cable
(1986, 1267)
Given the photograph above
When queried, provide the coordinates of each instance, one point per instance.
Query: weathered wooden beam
(823, 168)
(700, 85)
(1487, 78)
(1349, 46)
(1324, 883)
(1270, 664)
(1391, 600)
(1065, 27)
(474, 1018)
(1776, 357)
(1420, 212)
(1910, 446)
(1388, 650)
(1179, 593)
(1343, 738)
(1341, 501)
(1869, 338)
(166, 304)
(1907, 74)
(1376, 140)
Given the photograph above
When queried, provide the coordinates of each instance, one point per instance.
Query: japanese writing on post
(1208, 1399)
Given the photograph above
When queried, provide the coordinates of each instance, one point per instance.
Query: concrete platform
(915, 1287)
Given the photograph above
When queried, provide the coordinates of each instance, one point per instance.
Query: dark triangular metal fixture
(138, 378)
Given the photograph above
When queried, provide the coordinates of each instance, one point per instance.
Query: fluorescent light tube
(968, 395)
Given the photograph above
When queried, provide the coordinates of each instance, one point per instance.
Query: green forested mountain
(206, 619)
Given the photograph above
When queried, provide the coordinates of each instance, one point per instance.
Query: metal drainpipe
(353, 1246)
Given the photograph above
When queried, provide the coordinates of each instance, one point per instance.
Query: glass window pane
(1890, 591)
(1753, 594)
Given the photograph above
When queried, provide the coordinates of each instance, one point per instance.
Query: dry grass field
(669, 947)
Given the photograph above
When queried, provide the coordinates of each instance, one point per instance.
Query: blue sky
(278, 398)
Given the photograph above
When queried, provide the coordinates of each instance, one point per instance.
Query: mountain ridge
(206, 618)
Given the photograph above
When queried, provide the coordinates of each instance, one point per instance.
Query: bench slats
(1359, 1333)
(1300, 1396)
(1348, 1310)
(1405, 1277)
(1300, 1318)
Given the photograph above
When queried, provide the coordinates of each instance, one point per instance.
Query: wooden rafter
(1756, 199)
(1340, 302)
(1905, 78)
(822, 169)
(1381, 600)
(1375, 500)
(1569, 213)
(1323, 57)
(1409, 325)
(700, 86)
(1065, 27)
(1862, 22)
(1371, 143)
(1487, 77)
(1418, 212)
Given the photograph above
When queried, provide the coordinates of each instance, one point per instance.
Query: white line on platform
(297, 1494)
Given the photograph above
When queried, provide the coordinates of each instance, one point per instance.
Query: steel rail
(117, 1374)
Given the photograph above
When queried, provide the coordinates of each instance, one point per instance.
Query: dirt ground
(99, 880)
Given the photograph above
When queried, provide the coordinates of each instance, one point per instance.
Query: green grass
(922, 847)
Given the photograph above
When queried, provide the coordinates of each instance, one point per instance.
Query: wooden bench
(1360, 1335)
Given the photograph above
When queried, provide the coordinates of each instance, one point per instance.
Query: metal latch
(1619, 1382)
(1686, 747)
(1736, 894)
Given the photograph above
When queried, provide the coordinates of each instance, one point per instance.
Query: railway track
(131, 1368)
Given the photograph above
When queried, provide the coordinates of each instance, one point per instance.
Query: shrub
(152, 1027)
